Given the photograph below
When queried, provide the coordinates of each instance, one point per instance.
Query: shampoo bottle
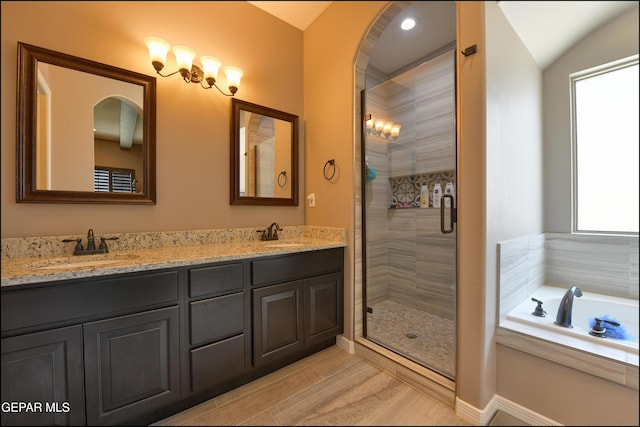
(437, 195)
(448, 190)
(424, 196)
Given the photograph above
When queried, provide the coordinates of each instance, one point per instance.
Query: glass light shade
(210, 66)
(158, 49)
(395, 130)
(184, 57)
(387, 128)
(370, 124)
(379, 126)
(234, 74)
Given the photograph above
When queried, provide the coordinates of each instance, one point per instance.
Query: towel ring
(282, 174)
(331, 163)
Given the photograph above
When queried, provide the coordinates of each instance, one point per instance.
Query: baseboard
(482, 417)
(345, 344)
(473, 415)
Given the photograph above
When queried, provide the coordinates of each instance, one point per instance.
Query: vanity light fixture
(190, 72)
(382, 128)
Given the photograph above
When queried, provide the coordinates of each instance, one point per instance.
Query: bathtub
(589, 305)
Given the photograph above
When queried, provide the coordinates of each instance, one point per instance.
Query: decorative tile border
(405, 190)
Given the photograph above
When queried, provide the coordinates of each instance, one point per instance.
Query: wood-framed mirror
(86, 131)
(264, 155)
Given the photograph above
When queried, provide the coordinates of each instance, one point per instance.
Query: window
(605, 148)
(112, 180)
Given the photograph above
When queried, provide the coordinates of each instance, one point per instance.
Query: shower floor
(422, 337)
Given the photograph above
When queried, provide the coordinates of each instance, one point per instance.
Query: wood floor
(331, 387)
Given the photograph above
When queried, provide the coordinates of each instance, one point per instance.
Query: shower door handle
(452, 217)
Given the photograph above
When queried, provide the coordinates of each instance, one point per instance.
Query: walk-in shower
(409, 243)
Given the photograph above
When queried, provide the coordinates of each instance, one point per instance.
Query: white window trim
(600, 69)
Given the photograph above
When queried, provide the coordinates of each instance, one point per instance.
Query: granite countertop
(26, 270)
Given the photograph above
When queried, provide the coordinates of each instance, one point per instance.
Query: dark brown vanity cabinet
(137, 347)
(297, 304)
(219, 326)
(46, 370)
(96, 351)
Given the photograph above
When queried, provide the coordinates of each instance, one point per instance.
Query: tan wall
(192, 124)
(331, 43)
(475, 367)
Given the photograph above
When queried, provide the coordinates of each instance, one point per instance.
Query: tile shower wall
(605, 265)
(405, 260)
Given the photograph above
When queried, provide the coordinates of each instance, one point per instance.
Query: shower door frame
(363, 216)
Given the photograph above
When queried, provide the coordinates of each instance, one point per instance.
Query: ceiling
(547, 28)
(297, 13)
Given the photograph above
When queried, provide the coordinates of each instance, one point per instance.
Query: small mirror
(264, 155)
(86, 131)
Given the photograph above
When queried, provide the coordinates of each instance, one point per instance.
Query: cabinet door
(43, 369)
(277, 322)
(132, 365)
(323, 308)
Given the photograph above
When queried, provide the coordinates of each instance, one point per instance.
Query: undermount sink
(75, 262)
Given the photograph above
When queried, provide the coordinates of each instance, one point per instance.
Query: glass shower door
(410, 242)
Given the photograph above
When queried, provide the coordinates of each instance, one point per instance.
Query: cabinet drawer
(216, 318)
(296, 266)
(86, 299)
(218, 363)
(215, 280)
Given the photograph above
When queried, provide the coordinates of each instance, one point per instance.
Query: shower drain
(411, 336)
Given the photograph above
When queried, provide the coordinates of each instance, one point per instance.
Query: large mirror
(86, 131)
(264, 155)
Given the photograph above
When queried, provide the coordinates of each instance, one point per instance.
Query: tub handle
(539, 311)
(611, 322)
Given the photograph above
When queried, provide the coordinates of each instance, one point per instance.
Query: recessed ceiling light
(408, 24)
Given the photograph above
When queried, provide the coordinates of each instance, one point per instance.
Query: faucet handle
(539, 311)
(103, 244)
(78, 248)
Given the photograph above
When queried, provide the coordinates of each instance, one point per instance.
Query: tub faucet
(563, 318)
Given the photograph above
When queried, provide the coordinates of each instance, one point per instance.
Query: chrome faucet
(563, 318)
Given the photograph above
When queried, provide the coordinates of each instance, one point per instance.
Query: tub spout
(563, 318)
